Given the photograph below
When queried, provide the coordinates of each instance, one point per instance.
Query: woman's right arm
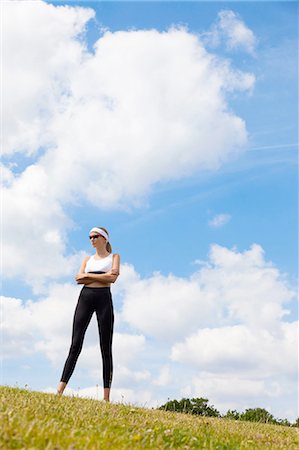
(82, 269)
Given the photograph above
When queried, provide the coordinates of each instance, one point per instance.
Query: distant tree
(232, 414)
(185, 405)
(172, 405)
(283, 422)
(296, 423)
(198, 406)
(257, 415)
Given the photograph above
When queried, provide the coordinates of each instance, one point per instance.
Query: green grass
(35, 420)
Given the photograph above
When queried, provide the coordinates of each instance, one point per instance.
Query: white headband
(100, 231)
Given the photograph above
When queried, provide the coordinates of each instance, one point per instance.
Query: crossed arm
(108, 277)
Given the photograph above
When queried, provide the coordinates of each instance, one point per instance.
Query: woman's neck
(101, 253)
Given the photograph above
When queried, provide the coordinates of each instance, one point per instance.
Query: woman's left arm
(115, 265)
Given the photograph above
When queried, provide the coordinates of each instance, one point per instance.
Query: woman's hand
(82, 278)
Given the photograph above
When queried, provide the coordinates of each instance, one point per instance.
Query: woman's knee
(76, 347)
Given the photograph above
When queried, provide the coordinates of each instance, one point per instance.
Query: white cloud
(40, 52)
(219, 220)
(125, 378)
(239, 349)
(230, 29)
(101, 127)
(34, 228)
(164, 377)
(165, 307)
(38, 325)
(234, 392)
(228, 388)
(237, 33)
(155, 106)
(241, 296)
(231, 391)
(228, 290)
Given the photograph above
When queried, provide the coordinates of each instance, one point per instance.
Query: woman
(96, 273)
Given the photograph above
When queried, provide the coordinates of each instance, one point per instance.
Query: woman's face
(97, 240)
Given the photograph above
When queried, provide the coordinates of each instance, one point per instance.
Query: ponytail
(108, 245)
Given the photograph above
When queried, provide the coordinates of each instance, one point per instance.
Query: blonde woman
(97, 272)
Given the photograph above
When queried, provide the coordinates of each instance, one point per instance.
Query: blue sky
(166, 234)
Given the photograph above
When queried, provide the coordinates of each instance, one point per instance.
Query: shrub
(232, 414)
(296, 423)
(257, 415)
(198, 406)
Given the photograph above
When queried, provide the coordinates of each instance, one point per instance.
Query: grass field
(35, 420)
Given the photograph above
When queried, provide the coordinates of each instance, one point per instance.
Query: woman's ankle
(61, 387)
(107, 394)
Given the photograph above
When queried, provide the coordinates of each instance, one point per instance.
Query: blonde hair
(108, 245)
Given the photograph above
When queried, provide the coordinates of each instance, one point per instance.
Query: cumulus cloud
(165, 307)
(232, 31)
(34, 228)
(237, 33)
(40, 52)
(231, 312)
(36, 325)
(164, 377)
(228, 290)
(276, 394)
(101, 127)
(239, 349)
(219, 220)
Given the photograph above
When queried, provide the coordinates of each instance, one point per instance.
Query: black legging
(91, 299)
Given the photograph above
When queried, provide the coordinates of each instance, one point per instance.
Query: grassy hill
(35, 420)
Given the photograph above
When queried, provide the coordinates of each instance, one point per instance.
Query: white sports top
(99, 265)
